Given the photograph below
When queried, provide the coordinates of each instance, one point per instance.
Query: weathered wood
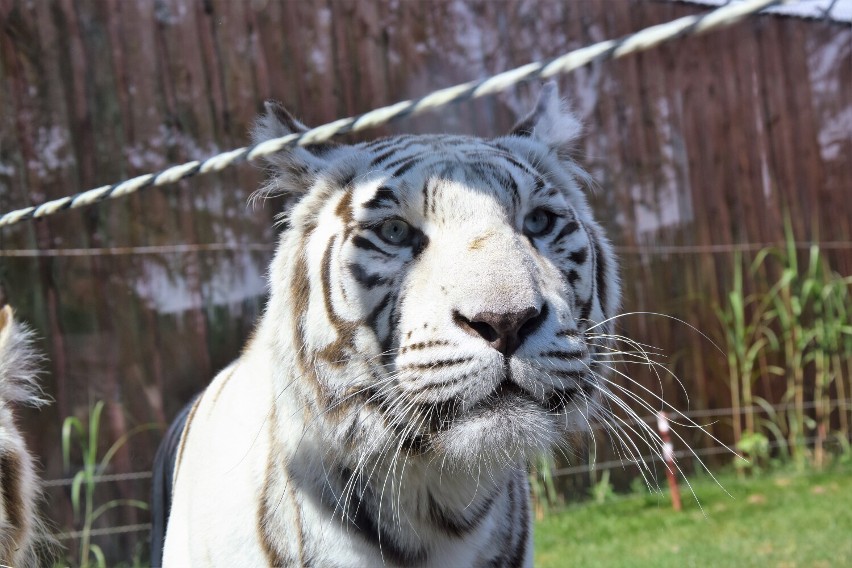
(703, 141)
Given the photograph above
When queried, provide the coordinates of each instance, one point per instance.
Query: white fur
(263, 444)
(554, 123)
(18, 374)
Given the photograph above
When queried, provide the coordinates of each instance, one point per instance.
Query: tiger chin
(428, 332)
(24, 542)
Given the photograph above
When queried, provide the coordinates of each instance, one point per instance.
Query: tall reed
(86, 438)
(746, 336)
(801, 322)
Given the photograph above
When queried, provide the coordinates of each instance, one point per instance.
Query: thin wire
(725, 248)
(268, 247)
(70, 535)
(100, 478)
(603, 466)
(602, 51)
(143, 250)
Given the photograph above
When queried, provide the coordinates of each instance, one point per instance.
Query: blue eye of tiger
(538, 222)
(394, 231)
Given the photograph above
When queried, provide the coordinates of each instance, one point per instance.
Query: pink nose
(505, 331)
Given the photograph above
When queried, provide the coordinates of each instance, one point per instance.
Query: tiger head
(440, 295)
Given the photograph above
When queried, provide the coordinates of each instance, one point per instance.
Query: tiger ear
(18, 362)
(551, 121)
(293, 169)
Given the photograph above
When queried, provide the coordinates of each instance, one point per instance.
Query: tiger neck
(421, 494)
(418, 496)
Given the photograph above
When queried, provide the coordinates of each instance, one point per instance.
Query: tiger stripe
(186, 430)
(458, 525)
(600, 276)
(368, 245)
(335, 352)
(265, 522)
(13, 498)
(423, 345)
(383, 195)
(230, 370)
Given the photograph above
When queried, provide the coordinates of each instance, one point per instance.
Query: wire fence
(689, 416)
(139, 250)
(644, 462)
(269, 247)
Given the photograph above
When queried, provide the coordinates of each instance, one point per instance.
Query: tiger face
(443, 290)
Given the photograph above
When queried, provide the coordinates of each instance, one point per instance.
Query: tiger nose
(504, 331)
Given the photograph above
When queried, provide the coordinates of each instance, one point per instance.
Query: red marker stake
(668, 456)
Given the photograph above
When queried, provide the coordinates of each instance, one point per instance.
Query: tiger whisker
(654, 436)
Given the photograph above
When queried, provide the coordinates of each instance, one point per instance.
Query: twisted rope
(602, 51)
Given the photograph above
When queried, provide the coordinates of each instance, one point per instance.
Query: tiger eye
(538, 222)
(395, 231)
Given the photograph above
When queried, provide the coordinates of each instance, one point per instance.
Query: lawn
(782, 520)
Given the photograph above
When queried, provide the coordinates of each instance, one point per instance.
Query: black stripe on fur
(163, 482)
(13, 500)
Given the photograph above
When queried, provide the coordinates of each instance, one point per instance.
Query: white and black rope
(609, 49)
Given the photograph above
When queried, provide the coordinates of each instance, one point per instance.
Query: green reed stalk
(84, 481)
(834, 344)
(810, 308)
(545, 496)
(787, 315)
(746, 337)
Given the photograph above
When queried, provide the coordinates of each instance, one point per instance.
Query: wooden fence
(698, 147)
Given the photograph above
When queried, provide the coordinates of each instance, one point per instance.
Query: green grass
(783, 520)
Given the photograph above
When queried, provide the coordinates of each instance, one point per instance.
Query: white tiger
(427, 333)
(21, 537)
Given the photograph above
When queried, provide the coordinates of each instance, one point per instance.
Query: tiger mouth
(508, 388)
(507, 398)
(509, 394)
